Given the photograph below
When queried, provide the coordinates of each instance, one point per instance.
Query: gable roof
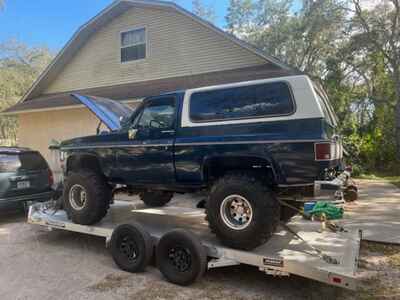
(138, 90)
(113, 10)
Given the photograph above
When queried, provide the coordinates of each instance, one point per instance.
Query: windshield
(24, 161)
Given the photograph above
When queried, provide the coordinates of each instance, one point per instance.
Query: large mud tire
(86, 196)
(257, 198)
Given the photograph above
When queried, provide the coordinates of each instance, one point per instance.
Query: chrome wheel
(77, 197)
(236, 212)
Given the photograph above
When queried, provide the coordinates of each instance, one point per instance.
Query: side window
(263, 100)
(9, 163)
(159, 114)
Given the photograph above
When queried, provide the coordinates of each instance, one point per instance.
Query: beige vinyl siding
(38, 129)
(176, 46)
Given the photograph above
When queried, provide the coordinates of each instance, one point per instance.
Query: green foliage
(203, 11)
(19, 67)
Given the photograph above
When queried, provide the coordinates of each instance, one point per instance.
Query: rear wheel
(181, 257)
(242, 211)
(156, 198)
(87, 197)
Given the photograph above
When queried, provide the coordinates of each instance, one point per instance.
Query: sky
(52, 22)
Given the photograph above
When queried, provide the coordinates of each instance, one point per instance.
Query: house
(130, 50)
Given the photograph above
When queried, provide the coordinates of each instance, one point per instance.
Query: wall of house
(37, 130)
(177, 46)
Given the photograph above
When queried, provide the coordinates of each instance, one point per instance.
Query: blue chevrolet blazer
(247, 144)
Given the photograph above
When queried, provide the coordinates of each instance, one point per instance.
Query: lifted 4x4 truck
(248, 144)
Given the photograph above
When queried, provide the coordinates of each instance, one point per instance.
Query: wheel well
(86, 162)
(217, 167)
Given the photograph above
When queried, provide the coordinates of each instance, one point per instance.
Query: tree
(203, 11)
(353, 50)
(378, 30)
(20, 65)
(240, 17)
(300, 39)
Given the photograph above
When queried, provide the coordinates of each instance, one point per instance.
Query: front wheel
(86, 197)
(242, 211)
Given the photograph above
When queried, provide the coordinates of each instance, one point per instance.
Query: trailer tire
(131, 247)
(181, 258)
(156, 198)
(242, 211)
(96, 200)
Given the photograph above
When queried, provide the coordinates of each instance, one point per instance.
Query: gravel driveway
(37, 264)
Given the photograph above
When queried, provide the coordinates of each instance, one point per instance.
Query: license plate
(23, 184)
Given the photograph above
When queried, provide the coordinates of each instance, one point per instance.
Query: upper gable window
(133, 45)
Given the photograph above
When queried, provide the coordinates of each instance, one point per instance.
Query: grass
(392, 179)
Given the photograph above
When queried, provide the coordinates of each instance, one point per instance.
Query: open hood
(112, 113)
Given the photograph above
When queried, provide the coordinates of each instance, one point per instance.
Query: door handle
(168, 131)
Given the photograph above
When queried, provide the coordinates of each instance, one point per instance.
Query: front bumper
(45, 196)
(333, 187)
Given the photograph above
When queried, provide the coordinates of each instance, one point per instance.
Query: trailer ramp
(284, 254)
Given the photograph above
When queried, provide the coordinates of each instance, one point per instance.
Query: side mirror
(132, 133)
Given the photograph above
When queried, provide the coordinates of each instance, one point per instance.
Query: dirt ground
(37, 264)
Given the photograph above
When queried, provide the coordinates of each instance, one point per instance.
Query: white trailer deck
(284, 254)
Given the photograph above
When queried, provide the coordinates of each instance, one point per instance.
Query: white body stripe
(305, 100)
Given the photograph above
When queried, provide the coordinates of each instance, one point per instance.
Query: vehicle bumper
(39, 197)
(332, 188)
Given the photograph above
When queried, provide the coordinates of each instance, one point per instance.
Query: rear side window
(9, 163)
(32, 162)
(263, 100)
(22, 161)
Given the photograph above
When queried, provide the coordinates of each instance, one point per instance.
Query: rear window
(327, 109)
(263, 100)
(22, 161)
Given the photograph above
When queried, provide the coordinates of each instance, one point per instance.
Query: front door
(147, 152)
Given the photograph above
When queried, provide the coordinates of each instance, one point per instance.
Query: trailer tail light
(337, 280)
(323, 151)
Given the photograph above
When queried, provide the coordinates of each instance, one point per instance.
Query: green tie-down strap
(328, 209)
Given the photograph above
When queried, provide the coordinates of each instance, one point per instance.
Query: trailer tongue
(300, 249)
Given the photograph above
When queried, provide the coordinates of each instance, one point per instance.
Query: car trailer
(185, 247)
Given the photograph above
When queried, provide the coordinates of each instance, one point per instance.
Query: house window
(133, 45)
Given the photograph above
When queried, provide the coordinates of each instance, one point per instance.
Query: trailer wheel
(242, 211)
(131, 247)
(181, 257)
(156, 198)
(86, 197)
